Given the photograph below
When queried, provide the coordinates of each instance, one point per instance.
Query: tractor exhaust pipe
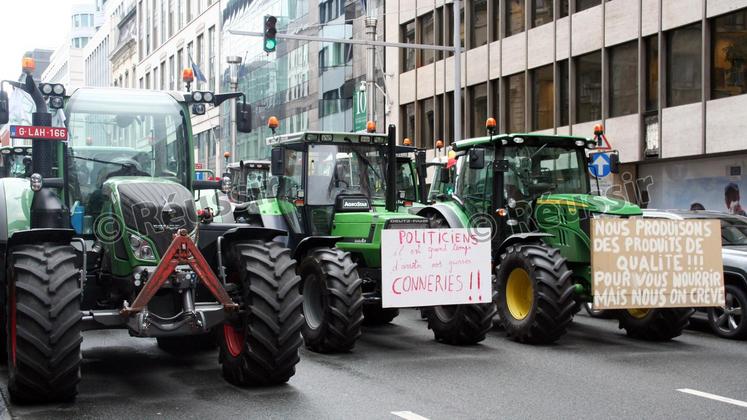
(391, 170)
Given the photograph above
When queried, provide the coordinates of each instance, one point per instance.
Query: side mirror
(4, 107)
(477, 158)
(445, 175)
(243, 117)
(277, 161)
(614, 163)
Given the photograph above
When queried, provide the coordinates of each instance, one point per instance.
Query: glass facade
(543, 98)
(589, 87)
(478, 108)
(515, 96)
(542, 12)
(479, 27)
(684, 74)
(514, 16)
(408, 54)
(729, 55)
(623, 79)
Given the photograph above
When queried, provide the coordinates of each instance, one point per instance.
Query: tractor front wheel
(535, 293)
(460, 324)
(332, 300)
(260, 346)
(43, 323)
(655, 324)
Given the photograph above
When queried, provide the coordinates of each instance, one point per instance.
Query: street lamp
(234, 61)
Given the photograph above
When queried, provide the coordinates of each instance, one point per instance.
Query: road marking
(408, 415)
(713, 397)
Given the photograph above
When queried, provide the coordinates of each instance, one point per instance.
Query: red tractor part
(182, 251)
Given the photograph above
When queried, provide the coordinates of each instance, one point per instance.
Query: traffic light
(270, 32)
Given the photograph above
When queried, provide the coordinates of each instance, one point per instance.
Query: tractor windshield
(544, 169)
(335, 169)
(121, 132)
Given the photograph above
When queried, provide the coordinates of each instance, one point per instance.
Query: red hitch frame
(182, 251)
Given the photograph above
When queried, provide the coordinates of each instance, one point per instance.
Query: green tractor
(336, 193)
(250, 179)
(15, 161)
(534, 192)
(105, 234)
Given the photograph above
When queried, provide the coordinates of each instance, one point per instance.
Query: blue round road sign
(599, 165)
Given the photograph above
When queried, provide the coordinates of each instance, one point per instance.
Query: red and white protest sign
(427, 267)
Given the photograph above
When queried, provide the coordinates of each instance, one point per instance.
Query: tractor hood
(592, 204)
(152, 207)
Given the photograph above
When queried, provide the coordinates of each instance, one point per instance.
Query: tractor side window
(406, 181)
(476, 185)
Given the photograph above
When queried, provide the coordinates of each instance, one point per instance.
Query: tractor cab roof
(330, 137)
(520, 138)
(252, 164)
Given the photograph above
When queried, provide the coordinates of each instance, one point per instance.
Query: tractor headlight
(36, 181)
(225, 184)
(140, 248)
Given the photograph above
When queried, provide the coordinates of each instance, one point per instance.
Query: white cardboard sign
(427, 267)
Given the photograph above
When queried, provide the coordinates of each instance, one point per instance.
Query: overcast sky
(29, 24)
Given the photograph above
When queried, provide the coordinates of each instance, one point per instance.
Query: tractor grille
(157, 210)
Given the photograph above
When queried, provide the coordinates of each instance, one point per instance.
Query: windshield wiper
(364, 159)
(107, 162)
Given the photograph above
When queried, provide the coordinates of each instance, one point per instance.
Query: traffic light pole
(370, 70)
(370, 67)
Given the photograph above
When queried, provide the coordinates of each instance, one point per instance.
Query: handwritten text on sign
(426, 267)
(656, 263)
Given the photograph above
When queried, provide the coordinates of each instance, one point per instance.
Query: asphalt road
(594, 372)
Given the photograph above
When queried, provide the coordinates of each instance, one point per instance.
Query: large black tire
(332, 300)
(460, 324)
(535, 293)
(261, 347)
(187, 343)
(730, 322)
(374, 314)
(44, 322)
(654, 324)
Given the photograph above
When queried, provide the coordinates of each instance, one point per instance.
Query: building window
(163, 75)
(462, 23)
(729, 60)
(541, 12)
(543, 100)
(427, 36)
(448, 26)
(479, 107)
(408, 121)
(514, 17)
(427, 124)
(563, 8)
(179, 65)
(589, 87)
(479, 27)
(408, 54)
(439, 31)
(587, 4)
(515, 112)
(495, 95)
(495, 18)
(200, 52)
(147, 80)
(172, 73)
(211, 58)
(684, 54)
(564, 106)
(652, 72)
(623, 90)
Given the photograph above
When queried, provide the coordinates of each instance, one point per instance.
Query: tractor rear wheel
(374, 314)
(260, 347)
(460, 324)
(655, 324)
(332, 300)
(535, 293)
(43, 323)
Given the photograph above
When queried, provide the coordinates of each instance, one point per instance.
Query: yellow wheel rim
(638, 313)
(519, 293)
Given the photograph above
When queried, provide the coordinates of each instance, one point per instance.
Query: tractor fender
(521, 238)
(312, 242)
(239, 233)
(446, 212)
(41, 235)
(209, 234)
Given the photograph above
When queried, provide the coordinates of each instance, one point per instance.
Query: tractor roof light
(227, 155)
(273, 122)
(208, 97)
(598, 129)
(371, 127)
(439, 144)
(196, 96)
(187, 75)
(56, 102)
(490, 123)
(407, 141)
(36, 182)
(28, 65)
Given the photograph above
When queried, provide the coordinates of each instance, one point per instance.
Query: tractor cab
(15, 161)
(251, 180)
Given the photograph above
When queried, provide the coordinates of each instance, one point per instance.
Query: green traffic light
(270, 45)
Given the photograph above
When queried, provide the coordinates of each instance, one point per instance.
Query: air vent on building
(734, 171)
(651, 135)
